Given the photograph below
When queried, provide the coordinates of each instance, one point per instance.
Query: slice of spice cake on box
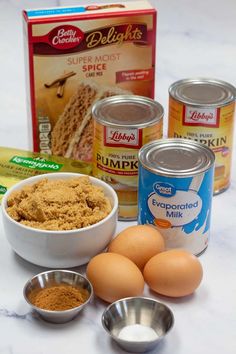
(72, 135)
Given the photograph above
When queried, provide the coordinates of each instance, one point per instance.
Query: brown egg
(139, 243)
(114, 276)
(173, 273)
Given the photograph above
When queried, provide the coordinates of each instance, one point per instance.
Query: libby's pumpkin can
(122, 125)
(203, 110)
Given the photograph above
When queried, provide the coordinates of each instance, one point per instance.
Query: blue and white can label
(179, 207)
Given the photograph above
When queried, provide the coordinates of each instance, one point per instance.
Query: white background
(195, 38)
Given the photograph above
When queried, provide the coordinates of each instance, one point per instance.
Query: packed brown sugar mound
(59, 204)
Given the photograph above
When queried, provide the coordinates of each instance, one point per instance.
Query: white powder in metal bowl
(137, 333)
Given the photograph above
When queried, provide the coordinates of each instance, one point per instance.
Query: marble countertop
(194, 39)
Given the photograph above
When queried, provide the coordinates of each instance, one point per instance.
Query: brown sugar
(59, 204)
(59, 298)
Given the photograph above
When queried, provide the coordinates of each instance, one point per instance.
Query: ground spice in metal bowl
(59, 297)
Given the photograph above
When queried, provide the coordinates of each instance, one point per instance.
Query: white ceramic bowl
(60, 249)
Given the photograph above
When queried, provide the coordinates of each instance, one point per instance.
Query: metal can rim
(178, 142)
(200, 80)
(134, 98)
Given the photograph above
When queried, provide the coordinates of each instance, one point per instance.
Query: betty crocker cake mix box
(76, 56)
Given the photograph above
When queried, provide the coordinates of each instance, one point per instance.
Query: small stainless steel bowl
(53, 278)
(137, 310)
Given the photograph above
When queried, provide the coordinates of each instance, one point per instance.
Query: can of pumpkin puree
(175, 191)
(122, 124)
(203, 110)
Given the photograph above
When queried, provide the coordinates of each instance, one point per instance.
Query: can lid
(127, 110)
(176, 157)
(203, 92)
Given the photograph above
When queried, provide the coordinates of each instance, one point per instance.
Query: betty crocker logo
(71, 39)
(65, 37)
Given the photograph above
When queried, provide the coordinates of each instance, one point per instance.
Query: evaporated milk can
(122, 125)
(175, 191)
(203, 110)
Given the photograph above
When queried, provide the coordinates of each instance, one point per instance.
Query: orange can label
(115, 156)
(210, 126)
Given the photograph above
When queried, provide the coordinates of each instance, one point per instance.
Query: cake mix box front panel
(77, 56)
